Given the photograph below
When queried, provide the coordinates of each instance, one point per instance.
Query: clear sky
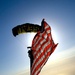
(59, 14)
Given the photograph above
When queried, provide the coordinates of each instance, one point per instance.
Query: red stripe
(39, 49)
(39, 43)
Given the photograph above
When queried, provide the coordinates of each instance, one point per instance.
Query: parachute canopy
(25, 28)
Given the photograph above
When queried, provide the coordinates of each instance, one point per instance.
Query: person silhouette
(30, 56)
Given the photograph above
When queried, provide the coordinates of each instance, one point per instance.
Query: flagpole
(31, 57)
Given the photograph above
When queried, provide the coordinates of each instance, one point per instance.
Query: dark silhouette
(24, 28)
(42, 26)
(30, 56)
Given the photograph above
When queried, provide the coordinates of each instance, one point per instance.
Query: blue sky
(59, 14)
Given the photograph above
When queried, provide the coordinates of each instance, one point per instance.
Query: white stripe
(46, 45)
(38, 47)
(41, 49)
(46, 26)
(38, 63)
(42, 33)
(42, 41)
(37, 41)
(37, 56)
(48, 31)
(45, 36)
(48, 50)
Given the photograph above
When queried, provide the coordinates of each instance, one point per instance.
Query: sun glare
(30, 38)
(54, 36)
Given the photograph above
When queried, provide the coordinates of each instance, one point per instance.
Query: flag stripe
(46, 26)
(35, 40)
(41, 48)
(37, 48)
(37, 45)
(39, 38)
(39, 42)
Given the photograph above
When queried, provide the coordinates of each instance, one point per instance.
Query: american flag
(42, 47)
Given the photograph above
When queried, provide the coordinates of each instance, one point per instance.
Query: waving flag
(42, 47)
